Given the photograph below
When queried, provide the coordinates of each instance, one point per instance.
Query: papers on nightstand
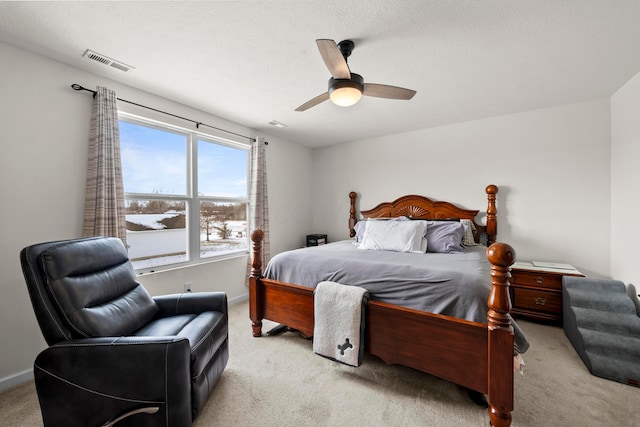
(558, 265)
(545, 266)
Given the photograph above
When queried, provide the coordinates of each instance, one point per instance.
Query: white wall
(552, 167)
(43, 135)
(290, 178)
(625, 183)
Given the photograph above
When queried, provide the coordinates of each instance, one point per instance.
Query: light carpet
(279, 381)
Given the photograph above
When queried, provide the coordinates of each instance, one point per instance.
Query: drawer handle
(539, 280)
(540, 301)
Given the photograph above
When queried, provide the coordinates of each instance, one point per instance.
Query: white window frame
(191, 199)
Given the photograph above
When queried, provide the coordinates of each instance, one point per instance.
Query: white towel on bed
(339, 322)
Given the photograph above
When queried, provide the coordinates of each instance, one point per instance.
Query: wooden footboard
(475, 355)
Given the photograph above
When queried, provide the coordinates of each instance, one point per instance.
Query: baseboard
(238, 300)
(15, 379)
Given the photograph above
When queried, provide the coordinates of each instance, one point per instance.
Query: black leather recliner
(115, 353)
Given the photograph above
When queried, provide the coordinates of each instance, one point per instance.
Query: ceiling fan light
(345, 96)
(346, 92)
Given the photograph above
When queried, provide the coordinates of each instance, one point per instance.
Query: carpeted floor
(278, 381)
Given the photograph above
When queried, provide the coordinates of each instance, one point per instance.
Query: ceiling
(252, 62)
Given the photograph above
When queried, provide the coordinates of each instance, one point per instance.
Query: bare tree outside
(223, 226)
(208, 212)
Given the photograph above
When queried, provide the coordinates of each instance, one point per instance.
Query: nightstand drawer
(537, 300)
(537, 279)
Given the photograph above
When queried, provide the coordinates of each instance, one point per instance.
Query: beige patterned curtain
(258, 197)
(104, 213)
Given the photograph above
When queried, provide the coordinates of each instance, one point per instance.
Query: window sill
(171, 267)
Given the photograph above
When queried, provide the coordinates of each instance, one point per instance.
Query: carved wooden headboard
(420, 207)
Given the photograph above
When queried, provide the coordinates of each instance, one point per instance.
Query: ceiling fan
(346, 88)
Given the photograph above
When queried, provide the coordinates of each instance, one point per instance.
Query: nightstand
(536, 289)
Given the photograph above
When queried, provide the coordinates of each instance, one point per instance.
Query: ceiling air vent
(95, 56)
(277, 124)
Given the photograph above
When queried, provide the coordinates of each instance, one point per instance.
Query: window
(186, 194)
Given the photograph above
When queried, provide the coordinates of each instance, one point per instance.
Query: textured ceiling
(256, 61)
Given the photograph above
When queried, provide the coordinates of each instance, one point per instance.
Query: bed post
(352, 213)
(255, 287)
(500, 369)
(492, 221)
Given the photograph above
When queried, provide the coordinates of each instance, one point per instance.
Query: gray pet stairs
(601, 322)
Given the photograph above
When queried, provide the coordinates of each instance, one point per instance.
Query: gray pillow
(445, 236)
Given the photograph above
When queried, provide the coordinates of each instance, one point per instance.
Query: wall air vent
(95, 56)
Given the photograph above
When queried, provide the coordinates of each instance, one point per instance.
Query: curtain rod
(76, 86)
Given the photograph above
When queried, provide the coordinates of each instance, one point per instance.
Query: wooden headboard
(420, 207)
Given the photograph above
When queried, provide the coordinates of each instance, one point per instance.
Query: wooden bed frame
(474, 355)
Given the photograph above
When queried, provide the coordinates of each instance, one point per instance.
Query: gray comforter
(456, 285)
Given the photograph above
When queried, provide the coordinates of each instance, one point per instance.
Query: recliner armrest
(191, 303)
(112, 375)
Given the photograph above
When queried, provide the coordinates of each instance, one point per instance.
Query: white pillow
(399, 236)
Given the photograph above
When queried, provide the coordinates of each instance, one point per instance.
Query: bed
(474, 354)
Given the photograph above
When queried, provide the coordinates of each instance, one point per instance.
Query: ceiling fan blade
(386, 91)
(333, 59)
(313, 102)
